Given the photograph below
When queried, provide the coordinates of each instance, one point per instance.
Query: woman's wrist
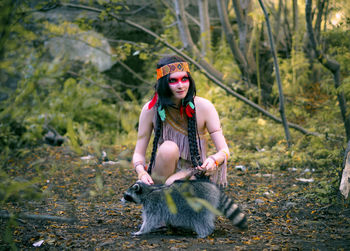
(220, 157)
(137, 163)
(215, 161)
(140, 168)
(226, 154)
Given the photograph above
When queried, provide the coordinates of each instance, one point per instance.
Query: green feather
(161, 113)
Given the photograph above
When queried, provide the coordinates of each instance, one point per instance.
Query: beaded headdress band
(171, 68)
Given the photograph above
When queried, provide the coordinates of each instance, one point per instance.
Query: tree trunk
(330, 64)
(320, 8)
(237, 53)
(278, 22)
(287, 32)
(295, 16)
(183, 24)
(242, 24)
(278, 78)
(204, 27)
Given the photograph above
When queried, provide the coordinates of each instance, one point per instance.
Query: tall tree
(278, 78)
(332, 65)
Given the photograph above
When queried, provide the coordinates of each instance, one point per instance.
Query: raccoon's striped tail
(232, 212)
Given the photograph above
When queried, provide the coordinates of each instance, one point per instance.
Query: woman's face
(179, 84)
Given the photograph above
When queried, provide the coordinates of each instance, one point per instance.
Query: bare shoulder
(145, 110)
(147, 115)
(203, 104)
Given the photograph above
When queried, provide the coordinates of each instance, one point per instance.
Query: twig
(116, 94)
(6, 215)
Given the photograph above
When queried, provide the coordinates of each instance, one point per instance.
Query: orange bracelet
(215, 161)
(226, 154)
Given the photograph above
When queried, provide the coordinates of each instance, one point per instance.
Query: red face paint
(179, 84)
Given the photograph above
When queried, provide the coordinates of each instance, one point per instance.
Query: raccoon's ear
(137, 188)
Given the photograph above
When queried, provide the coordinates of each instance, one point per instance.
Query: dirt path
(280, 216)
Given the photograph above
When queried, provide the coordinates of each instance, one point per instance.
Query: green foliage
(17, 190)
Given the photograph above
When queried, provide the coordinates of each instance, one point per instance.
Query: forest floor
(281, 217)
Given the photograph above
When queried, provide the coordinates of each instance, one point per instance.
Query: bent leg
(166, 162)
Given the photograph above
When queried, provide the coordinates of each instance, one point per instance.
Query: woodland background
(75, 74)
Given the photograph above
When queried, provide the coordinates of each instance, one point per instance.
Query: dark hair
(164, 99)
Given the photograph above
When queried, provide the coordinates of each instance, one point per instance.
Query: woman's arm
(213, 126)
(143, 138)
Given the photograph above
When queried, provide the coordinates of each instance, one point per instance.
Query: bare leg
(166, 162)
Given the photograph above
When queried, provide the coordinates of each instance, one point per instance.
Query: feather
(189, 111)
(181, 111)
(161, 113)
(153, 101)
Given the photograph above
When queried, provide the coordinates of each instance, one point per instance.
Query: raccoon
(157, 212)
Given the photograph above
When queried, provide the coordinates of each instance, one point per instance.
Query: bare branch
(6, 215)
(237, 53)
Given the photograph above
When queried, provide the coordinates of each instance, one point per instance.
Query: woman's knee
(166, 161)
(169, 149)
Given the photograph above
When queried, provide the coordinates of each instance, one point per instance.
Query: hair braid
(157, 133)
(192, 141)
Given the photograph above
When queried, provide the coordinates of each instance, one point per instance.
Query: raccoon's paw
(138, 233)
(203, 232)
(202, 236)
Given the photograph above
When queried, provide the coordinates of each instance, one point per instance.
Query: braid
(192, 141)
(158, 130)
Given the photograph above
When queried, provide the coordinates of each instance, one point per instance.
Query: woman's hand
(209, 166)
(146, 178)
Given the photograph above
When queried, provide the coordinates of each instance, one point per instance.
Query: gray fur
(156, 212)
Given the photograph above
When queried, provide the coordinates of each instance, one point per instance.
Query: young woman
(180, 120)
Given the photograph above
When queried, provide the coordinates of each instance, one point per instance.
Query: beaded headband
(171, 68)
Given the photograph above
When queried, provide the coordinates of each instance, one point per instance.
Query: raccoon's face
(133, 194)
